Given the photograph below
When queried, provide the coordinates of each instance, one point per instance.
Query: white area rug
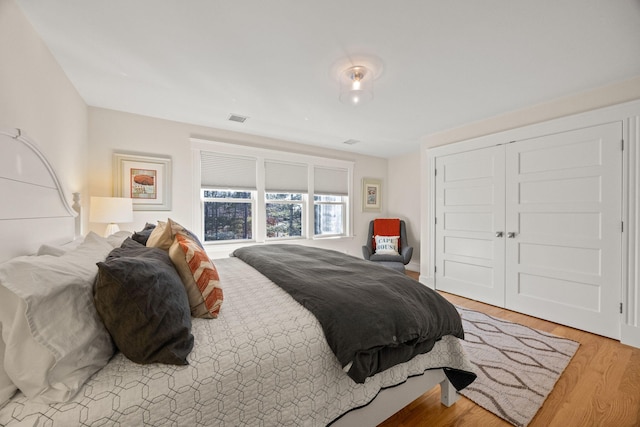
(517, 366)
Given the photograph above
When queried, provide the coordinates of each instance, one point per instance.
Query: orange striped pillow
(199, 275)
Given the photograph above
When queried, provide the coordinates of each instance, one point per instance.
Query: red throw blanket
(385, 227)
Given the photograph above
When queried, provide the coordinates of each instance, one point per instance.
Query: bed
(264, 360)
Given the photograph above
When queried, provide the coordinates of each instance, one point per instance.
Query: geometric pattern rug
(517, 366)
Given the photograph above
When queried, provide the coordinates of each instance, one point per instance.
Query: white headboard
(33, 206)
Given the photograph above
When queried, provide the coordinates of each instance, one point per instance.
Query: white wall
(113, 131)
(604, 96)
(403, 199)
(38, 98)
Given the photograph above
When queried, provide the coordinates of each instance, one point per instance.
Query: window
(285, 185)
(248, 193)
(331, 189)
(284, 213)
(227, 193)
(227, 215)
(329, 215)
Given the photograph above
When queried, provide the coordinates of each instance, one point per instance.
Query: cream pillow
(161, 237)
(197, 272)
(387, 245)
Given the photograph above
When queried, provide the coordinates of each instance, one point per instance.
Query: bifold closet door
(469, 213)
(563, 206)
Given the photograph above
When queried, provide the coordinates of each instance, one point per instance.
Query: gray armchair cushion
(391, 258)
(406, 252)
(367, 252)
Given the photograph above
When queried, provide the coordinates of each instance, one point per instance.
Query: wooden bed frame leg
(448, 393)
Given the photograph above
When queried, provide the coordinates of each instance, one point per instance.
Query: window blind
(332, 181)
(227, 171)
(283, 177)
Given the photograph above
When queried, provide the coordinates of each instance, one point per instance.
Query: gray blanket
(373, 317)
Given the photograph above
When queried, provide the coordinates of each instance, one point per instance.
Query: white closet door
(563, 205)
(469, 212)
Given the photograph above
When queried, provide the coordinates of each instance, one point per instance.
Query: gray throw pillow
(143, 235)
(143, 304)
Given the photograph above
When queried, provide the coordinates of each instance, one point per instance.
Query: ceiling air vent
(351, 141)
(237, 118)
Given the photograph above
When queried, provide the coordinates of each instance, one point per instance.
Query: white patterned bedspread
(263, 362)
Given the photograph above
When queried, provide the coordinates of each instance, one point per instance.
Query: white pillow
(53, 335)
(115, 240)
(57, 250)
(51, 250)
(387, 245)
(118, 237)
(7, 387)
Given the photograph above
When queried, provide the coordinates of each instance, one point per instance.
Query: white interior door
(469, 212)
(564, 209)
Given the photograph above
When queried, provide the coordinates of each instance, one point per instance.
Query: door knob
(499, 234)
(511, 234)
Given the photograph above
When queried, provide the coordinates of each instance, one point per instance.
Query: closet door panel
(563, 206)
(469, 212)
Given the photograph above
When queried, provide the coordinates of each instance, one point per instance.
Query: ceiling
(439, 64)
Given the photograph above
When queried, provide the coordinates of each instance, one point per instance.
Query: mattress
(263, 361)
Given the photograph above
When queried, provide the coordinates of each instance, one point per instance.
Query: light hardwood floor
(600, 387)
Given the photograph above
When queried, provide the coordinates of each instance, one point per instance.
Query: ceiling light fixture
(356, 85)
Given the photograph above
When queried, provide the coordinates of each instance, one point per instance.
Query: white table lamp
(111, 210)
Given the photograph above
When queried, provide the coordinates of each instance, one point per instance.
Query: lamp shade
(110, 210)
(356, 86)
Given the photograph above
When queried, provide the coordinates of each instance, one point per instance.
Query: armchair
(388, 227)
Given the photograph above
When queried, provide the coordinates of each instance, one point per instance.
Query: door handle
(499, 233)
(511, 234)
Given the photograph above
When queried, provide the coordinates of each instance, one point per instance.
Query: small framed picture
(371, 195)
(145, 179)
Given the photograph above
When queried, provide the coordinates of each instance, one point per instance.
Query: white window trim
(262, 154)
